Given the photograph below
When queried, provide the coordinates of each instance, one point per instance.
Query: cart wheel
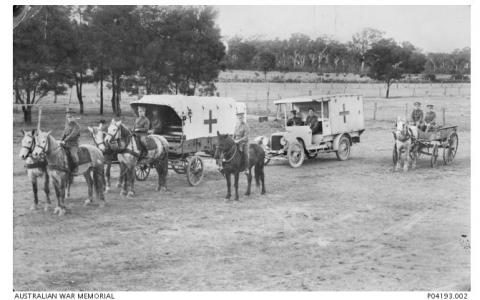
(295, 154)
(343, 151)
(433, 158)
(194, 170)
(179, 169)
(142, 171)
(450, 148)
(394, 155)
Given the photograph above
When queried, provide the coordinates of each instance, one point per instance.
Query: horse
(129, 154)
(405, 135)
(35, 168)
(229, 151)
(109, 154)
(90, 161)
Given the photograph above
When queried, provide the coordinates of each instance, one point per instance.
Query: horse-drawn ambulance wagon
(338, 125)
(190, 125)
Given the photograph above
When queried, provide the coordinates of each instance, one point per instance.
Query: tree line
(162, 49)
(326, 55)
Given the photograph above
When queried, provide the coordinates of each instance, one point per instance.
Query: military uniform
(241, 135)
(70, 137)
(417, 116)
(156, 126)
(140, 128)
(295, 121)
(430, 117)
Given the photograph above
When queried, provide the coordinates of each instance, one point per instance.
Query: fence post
(443, 115)
(310, 92)
(413, 95)
(375, 111)
(406, 111)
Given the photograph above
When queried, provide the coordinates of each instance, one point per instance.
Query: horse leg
(46, 189)
(249, 181)
(33, 179)
(399, 158)
(414, 159)
(229, 183)
(106, 183)
(123, 180)
(260, 175)
(56, 186)
(237, 176)
(88, 179)
(99, 185)
(407, 158)
(62, 187)
(131, 177)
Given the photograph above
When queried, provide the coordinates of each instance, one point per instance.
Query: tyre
(295, 154)
(394, 155)
(343, 152)
(194, 170)
(142, 171)
(434, 157)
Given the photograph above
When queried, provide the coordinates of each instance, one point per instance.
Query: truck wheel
(343, 151)
(295, 154)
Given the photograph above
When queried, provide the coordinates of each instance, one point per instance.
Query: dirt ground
(329, 225)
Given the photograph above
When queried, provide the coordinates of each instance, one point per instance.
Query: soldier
(140, 128)
(417, 115)
(312, 121)
(294, 120)
(241, 138)
(156, 126)
(70, 137)
(430, 118)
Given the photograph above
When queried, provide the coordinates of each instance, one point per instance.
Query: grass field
(329, 225)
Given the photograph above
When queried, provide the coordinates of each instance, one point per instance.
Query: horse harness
(37, 164)
(233, 155)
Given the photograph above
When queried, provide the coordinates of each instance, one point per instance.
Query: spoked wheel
(194, 170)
(433, 158)
(343, 151)
(142, 171)
(295, 154)
(450, 149)
(394, 155)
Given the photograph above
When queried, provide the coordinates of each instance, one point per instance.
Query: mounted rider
(70, 138)
(417, 115)
(140, 129)
(241, 138)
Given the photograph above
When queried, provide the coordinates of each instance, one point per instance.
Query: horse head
(41, 144)
(98, 138)
(28, 143)
(225, 143)
(113, 131)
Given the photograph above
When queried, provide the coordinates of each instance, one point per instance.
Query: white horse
(35, 168)
(404, 135)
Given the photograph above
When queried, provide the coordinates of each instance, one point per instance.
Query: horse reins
(233, 155)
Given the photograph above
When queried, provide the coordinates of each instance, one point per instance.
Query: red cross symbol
(210, 121)
(344, 113)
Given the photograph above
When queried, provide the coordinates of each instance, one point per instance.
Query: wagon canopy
(194, 116)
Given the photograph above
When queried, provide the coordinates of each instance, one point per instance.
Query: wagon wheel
(295, 154)
(179, 169)
(194, 170)
(394, 155)
(433, 158)
(450, 149)
(142, 171)
(343, 151)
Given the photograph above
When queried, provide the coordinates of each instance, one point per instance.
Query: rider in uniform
(294, 120)
(140, 128)
(430, 117)
(70, 137)
(312, 121)
(241, 138)
(417, 115)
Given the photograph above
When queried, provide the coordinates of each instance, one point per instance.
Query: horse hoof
(119, 185)
(263, 192)
(47, 207)
(56, 210)
(61, 212)
(102, 204)
(236, 199)
(247, 194)
(123, 193)
(107, 189)
(34, 207)
(131, 194)
(87, 202)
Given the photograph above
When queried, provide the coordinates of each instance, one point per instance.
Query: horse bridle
(98, 144)
(30, 149)
(44, 149)
(233, 155)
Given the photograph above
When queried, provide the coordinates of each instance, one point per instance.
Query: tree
(385, 62)
(183, 49)
(362, 41)
(42, 46)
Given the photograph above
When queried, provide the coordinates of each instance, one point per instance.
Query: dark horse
(228, 151)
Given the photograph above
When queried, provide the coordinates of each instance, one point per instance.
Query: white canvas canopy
(198, 116)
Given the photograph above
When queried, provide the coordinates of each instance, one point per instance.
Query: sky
(431, 28)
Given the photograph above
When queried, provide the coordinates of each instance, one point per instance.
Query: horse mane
(125, 133)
